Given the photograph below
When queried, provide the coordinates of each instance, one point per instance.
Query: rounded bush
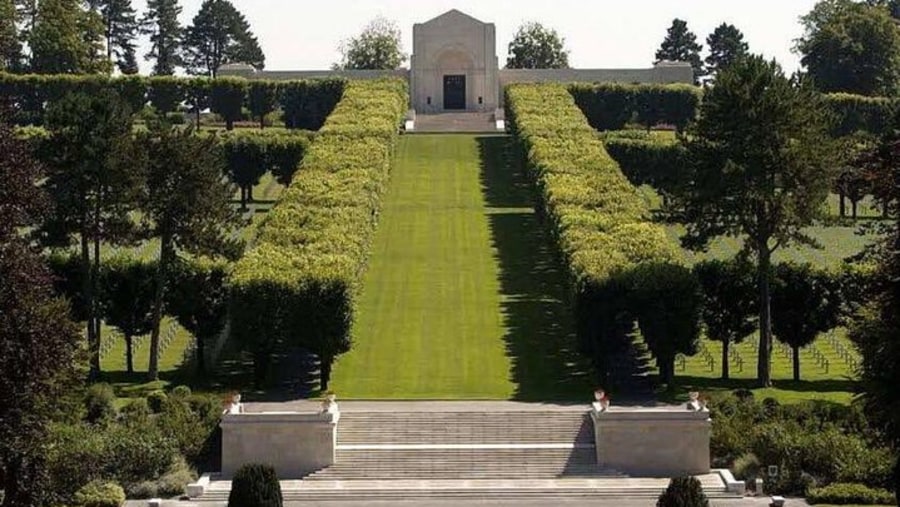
(157, 401)
(100, 403)
(181, 392)
(255, 485)
(845, 494)
(747, 467)
(100, 494)
(683, 492)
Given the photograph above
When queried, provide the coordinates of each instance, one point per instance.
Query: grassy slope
(459, 300)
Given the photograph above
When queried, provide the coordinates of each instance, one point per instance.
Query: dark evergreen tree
(683, 492)
(680, 45)
(94, 178)
(255, 485)
(10, 46)
(726, 45)
(120, 31)
(220, 35)
(537, 47)
(160, 22)
(187, 206)
(38, 343)
(762, 164)
(66, 39)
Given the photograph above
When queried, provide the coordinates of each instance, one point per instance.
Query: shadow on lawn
(685, 384)
(540, 339)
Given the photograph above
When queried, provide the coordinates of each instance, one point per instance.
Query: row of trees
(84, 37)
(100, 177)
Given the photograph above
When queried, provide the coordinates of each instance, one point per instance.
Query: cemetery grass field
(461, 299)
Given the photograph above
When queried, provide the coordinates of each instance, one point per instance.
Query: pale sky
(305, 34)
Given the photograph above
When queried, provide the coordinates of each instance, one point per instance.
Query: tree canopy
(10, 46)
(120, 30)
(680, 45)
(377, 47)
(219, 35)
(726, 45)
(851, 47)
(66, 39)
(160, 22)
(537, 47)
(761, 159)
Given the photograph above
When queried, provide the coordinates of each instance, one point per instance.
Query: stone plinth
(657, 442)
(296, 444)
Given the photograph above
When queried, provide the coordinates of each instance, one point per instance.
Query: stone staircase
(393, 455)
(462, 122)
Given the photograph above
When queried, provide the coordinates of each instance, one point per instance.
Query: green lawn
(460, 299)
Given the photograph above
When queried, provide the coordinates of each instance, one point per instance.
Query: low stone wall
(657, 442)
(659, 74)
(296, 444)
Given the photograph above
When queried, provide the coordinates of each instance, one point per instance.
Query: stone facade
(653, 442)
(454, 67)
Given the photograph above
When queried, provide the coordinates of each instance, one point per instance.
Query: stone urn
(601, 403)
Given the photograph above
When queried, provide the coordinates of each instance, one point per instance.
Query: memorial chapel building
(454, 68)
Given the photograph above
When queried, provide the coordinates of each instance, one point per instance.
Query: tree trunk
(262, 122)
(129, 355)
(96, 276)
(853, 205)
(325, 372)
(669, 367)
(796, 364)
(201, 356)
(244, 198)
(88, 289)
(197, 114)
(164, 253)
(763, 367)
(843, 202)
(725, 365)
(249, 193)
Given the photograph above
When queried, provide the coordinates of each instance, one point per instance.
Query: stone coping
(279, 417)
(361, 406)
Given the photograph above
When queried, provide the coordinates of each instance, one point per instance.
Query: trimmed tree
(537, 47)
(187, 206)
(226, 99)
(726, 45)
(761, 161)
(805, 302)
(378, 47)
(219, 35)
(198, 298)
(245, 162)
(262, 99)
(729, 303)
(683, 492)
(666, 301)
(255, 485)
(126, 294)
(680, 45)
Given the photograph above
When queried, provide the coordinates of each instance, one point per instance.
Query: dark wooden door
(455, 91)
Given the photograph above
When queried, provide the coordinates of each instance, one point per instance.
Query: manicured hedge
(297, 285)
(847, 494)
(610, 106)
(306, 103)
(856, 113)
(659, 164)
(601, 223)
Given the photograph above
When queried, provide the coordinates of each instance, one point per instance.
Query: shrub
(610, 106)
(683, 492)
(306, 104)
(157, 400)
(100, 403)
(857, 113)
(662, 165)
(181, 392)
(848, 493)
(255, 485)
(746, 467)
(298, 284)
(226, 98)
(100, 494)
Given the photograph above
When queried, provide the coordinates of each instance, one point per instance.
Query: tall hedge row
(306, 103)
(610, 106)
(600, 222)
(856, 113)
(662, 165)
(297, 285)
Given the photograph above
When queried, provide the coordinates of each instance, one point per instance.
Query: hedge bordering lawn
(600, 222)
(297, 285)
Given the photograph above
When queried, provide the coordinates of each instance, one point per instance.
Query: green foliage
(100, 403)
(726, 45)
(160, 22)
(120, 31)
(536, 47)
(125, 297)
(747, 467)
(610, 106)
(847, 494)
(662, 165)
(10, 46)
(157, 401)
(226, 98)
(297, 285)
(198, 298)
(66, 39)
(601, 224)
(255, 485)
(851, 47)
(306, 104)
(218, 35)
(377, 47)
(262, 99)
(683, 492)
(100, 494)
(165, 93)
(680, 45)
(857, 113)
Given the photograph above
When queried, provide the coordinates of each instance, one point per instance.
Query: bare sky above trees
(305, 34)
